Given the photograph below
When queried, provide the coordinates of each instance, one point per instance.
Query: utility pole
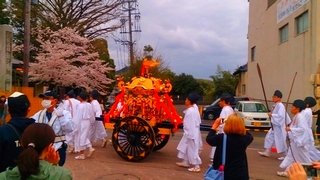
(130, 30)
(26, 49)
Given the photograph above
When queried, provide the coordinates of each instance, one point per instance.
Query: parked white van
(253, 113)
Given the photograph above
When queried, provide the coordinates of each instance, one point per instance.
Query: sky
(192, 36)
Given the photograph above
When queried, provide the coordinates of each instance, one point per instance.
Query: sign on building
(5, 57)
(286, 7)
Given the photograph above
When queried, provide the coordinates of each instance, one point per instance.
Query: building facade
(283, 38)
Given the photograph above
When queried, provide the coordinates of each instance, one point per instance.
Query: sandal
(71, 149)
(282, 174)
(182, 164)
(91, 152)
(80, 157)
(104, 143)
(194, 169)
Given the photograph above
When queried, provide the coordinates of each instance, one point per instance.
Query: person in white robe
(97, 131)
(191, 142)
(70, 104)
(277, 135)
(307, 112)
(225, 101)
(83, 118)
(298, 136)
(59, 119)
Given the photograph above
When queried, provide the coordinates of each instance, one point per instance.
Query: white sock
(267, 150)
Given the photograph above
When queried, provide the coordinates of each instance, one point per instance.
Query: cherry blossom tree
(67, 59)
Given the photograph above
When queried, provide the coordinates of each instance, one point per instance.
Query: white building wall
(279, 62)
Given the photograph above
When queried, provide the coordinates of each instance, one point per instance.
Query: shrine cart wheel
(133, 139)
(161, 141)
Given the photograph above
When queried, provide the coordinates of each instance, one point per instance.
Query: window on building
(302, 22)
(270, 2)
(284, 33)
(243, 89)
(253, 53)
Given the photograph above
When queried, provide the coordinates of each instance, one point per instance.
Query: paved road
(107, 165)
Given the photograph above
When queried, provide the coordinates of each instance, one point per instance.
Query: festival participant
(59, 119)
(191, 141)
(298, 136)
(314, 153)
(84, 118)
(277, 134)
(70, 104)
(97, 132)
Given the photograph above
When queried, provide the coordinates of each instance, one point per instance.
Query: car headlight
(247, 118)
(204, 109)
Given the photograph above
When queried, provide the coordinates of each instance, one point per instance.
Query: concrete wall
(280, 61)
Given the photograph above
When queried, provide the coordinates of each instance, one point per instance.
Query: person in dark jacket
(10, 148)
(238, 139)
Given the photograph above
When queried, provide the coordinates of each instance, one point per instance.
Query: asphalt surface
(105, 164)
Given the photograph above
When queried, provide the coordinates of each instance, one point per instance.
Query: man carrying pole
(277, 134)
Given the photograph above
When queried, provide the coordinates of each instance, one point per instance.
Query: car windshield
(255, 107)
(215, 102)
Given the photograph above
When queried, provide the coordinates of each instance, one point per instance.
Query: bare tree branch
(91, 18)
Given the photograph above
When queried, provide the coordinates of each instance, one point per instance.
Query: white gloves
(59, 110)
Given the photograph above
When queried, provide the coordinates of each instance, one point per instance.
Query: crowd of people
(36, 147)
(293, 138)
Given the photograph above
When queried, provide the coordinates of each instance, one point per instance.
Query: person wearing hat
(279, 118)
(191, 142)
(314, 153)
(298, 135)
(10, 148)
(70, 104)
(225, 102)
(97, 132)
(59, 119)
(84, 119)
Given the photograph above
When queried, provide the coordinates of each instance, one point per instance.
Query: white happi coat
(314, 153)
(61, 125)
(225, 112)
(277, 136)
(299, 136)
(71, 106)
(83, 118)
(191, 141)
(97, 131)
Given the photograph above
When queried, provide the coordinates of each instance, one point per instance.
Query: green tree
(184, 84)
(101, 46)
(4, 13)
(208, 88)
(224, 82)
